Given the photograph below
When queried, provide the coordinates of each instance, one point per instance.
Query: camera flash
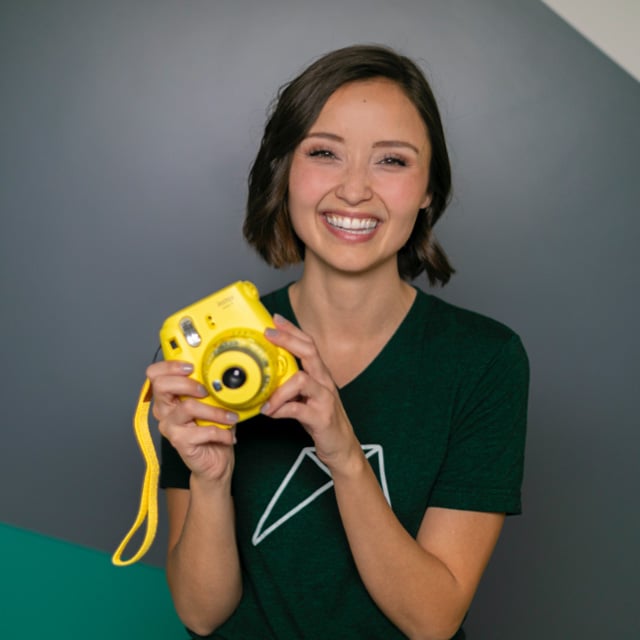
(189, 331)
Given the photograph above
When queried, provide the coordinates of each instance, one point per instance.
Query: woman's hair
(267, 226)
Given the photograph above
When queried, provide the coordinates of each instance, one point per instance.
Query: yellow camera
(222, 335)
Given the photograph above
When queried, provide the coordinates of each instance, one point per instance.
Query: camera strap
(148, 508)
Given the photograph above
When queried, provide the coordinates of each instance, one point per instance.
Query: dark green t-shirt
(441, 415)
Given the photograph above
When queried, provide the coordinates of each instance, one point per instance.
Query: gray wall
(127, 129)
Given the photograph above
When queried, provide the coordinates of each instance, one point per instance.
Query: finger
(295, 411)
(301, 345)
(191, 436)
(286, 326)
(313, 411)
(190, 410)
(299, 389)
(172, 385)
(168, 390)
(169, 368)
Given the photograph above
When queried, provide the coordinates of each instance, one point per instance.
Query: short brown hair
(267, 226)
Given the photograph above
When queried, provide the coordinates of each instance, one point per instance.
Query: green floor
(54, 589)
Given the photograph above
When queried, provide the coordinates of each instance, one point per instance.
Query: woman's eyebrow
(396, 143)
(381, 143)
(325, 135)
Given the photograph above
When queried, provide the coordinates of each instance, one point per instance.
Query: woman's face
(359, 178)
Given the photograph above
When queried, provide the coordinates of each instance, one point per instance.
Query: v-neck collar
(403, 332)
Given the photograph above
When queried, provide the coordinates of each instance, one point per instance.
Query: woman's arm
(203, 568)
(423, 585)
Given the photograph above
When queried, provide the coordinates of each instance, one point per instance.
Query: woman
(366, 499)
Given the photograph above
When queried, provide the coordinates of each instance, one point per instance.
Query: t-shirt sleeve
(484, 465)
(174, 473)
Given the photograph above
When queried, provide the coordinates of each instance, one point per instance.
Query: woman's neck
(342, 307)
(350, 318)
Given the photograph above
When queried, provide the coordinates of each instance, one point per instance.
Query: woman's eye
(393, 161)
(321, 153)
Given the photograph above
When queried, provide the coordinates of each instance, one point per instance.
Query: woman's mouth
(348, 224)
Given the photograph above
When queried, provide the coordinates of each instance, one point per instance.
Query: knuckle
(294, 409)
(157, 385)
(174, 441)
(163, 429)
(168, 430)
(152, 371)
(300, 378)
(191, 406)
(308, 350)
(161, 405)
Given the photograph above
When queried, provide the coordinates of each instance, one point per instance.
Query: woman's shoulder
(473, 347)
(464, 327)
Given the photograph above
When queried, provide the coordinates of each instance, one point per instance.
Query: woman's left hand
(311, 397)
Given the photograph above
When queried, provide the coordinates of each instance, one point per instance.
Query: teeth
(357, 225)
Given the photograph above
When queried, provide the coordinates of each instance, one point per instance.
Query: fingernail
(231, 417)
(271, 333)
(278, 318)
(187, 367)
(265, 408)
(202, 391)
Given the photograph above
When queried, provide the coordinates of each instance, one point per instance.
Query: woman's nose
(355, 185)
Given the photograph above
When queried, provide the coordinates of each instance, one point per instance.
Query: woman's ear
(426, 202)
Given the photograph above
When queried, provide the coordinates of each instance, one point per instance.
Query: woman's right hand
(207, 451)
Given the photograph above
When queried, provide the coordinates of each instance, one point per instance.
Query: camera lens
(234, 377)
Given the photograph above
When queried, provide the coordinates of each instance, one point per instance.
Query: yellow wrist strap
(149, 499)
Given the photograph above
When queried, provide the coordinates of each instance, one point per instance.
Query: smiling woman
(367, 497)
(267, 225)
(360, 177)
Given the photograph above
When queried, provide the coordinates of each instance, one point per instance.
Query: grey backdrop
(127, 129)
